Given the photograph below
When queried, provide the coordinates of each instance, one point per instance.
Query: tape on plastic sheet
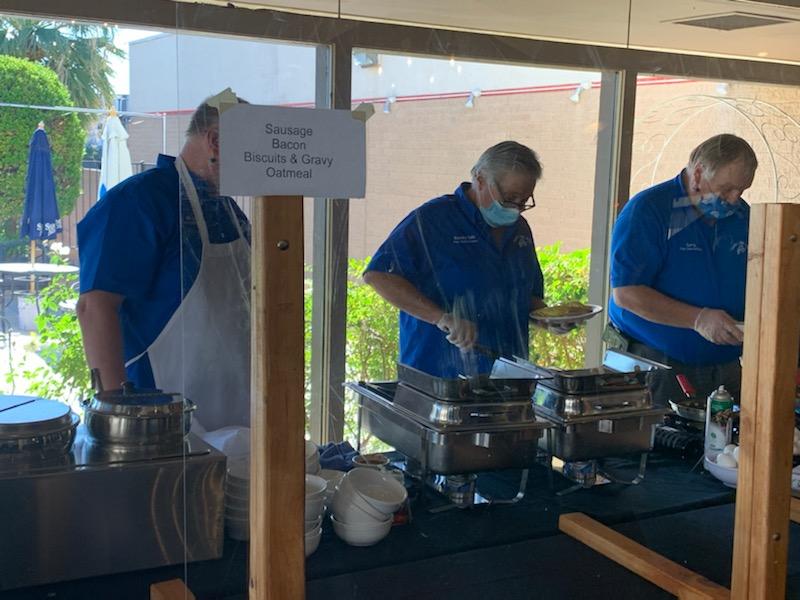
(363, 111)
(224, 100)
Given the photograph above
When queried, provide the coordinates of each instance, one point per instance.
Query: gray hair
(508, 157)
(205, 117)
(721, 150)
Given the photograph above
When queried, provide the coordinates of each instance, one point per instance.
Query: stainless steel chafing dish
(599, 412)
(453, 426)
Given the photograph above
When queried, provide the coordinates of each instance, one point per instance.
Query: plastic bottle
(719, 411)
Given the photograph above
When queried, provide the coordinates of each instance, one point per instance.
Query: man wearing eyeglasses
(462, 268)
(678, 267)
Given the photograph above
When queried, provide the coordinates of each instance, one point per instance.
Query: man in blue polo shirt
(165, 280)
(678, 267)
(462, 268)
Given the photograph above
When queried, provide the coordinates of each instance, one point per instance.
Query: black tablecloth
(449, 537)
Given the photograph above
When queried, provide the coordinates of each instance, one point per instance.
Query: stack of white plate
(314, 511)
(237, 498)
(312, 458)
(364, 504)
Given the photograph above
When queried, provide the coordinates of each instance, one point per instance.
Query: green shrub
(24, 82)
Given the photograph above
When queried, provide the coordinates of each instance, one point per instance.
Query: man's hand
(460, 332)
(718, 327)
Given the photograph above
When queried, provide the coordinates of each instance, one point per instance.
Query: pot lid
(22, 416)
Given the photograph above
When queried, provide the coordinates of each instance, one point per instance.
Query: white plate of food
(569, 312)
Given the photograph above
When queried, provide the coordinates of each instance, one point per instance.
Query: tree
(24, 82)
(78, 54)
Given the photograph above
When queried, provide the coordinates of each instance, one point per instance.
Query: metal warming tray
(607, 430)
(451, 448)
(94, 511)
(463, 413)
(479, 387)
(619, 372)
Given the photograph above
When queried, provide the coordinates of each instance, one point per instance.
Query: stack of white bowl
(312, 458)
(237, 498)
(364, 505)
(333, 478)
(315, 510)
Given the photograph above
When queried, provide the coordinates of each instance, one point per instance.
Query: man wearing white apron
(165, 281)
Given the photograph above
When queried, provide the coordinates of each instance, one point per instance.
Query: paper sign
(279, 151)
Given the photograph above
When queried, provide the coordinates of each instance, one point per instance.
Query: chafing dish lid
(23, 416)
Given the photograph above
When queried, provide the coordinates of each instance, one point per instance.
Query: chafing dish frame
(478, 387)
(447, 450)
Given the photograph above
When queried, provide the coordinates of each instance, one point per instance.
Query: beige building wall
(425, 148)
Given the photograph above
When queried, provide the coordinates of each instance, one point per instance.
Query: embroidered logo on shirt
(690, 247)
(465, 239)
(739, 247)
(522, 241)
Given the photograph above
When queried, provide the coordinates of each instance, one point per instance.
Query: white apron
(204, 349)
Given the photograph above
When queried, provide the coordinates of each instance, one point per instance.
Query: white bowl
(314, 507)
(237, 529)
(371, 461)
(349, 507)
(311, 541)
(380, 490)
(311, 450)
(362, 534)
(314, 469)
(313, 524)
(315, 486)
(726, 475)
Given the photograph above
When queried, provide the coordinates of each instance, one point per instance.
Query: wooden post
(174, 589)
(772, 327)
(277, 559)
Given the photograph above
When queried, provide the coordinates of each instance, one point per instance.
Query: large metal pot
(33, 428)
(138, 418)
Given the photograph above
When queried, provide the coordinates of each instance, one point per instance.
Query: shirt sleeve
(400, 254)
(121, 239)
(637, 245)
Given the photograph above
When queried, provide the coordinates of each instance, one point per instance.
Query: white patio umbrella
(116, 163)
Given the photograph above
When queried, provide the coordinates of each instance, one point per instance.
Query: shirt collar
(466, 205)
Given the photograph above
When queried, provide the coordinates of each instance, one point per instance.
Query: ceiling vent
(732, 21)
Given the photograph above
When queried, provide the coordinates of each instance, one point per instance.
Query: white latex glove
(460, 332)
(718, 327)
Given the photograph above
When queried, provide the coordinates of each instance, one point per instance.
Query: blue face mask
(716, 207)
(497, 215)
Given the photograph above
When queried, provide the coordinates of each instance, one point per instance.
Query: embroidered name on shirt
(690, 247)
(465, 239)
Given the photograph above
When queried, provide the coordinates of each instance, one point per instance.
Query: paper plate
(592, 310)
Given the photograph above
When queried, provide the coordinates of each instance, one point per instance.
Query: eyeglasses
(520, 204)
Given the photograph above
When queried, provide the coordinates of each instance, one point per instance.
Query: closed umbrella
(40, 220)
(116, 163)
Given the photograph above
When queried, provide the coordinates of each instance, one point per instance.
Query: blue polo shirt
(660, 241)
(141, 240)
(445, 249)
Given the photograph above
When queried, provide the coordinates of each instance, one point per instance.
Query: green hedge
(24, 82)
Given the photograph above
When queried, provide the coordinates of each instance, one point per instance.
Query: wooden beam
(277, 558)
(664, 573)
(772, 327)
(174, 589)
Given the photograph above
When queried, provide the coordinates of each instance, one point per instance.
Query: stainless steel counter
(96, 511)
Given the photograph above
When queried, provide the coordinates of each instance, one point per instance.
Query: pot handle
(188, 406)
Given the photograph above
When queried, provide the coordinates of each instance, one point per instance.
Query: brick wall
(424, 148)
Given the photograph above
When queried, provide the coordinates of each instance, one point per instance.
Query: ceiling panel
(644, 24)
